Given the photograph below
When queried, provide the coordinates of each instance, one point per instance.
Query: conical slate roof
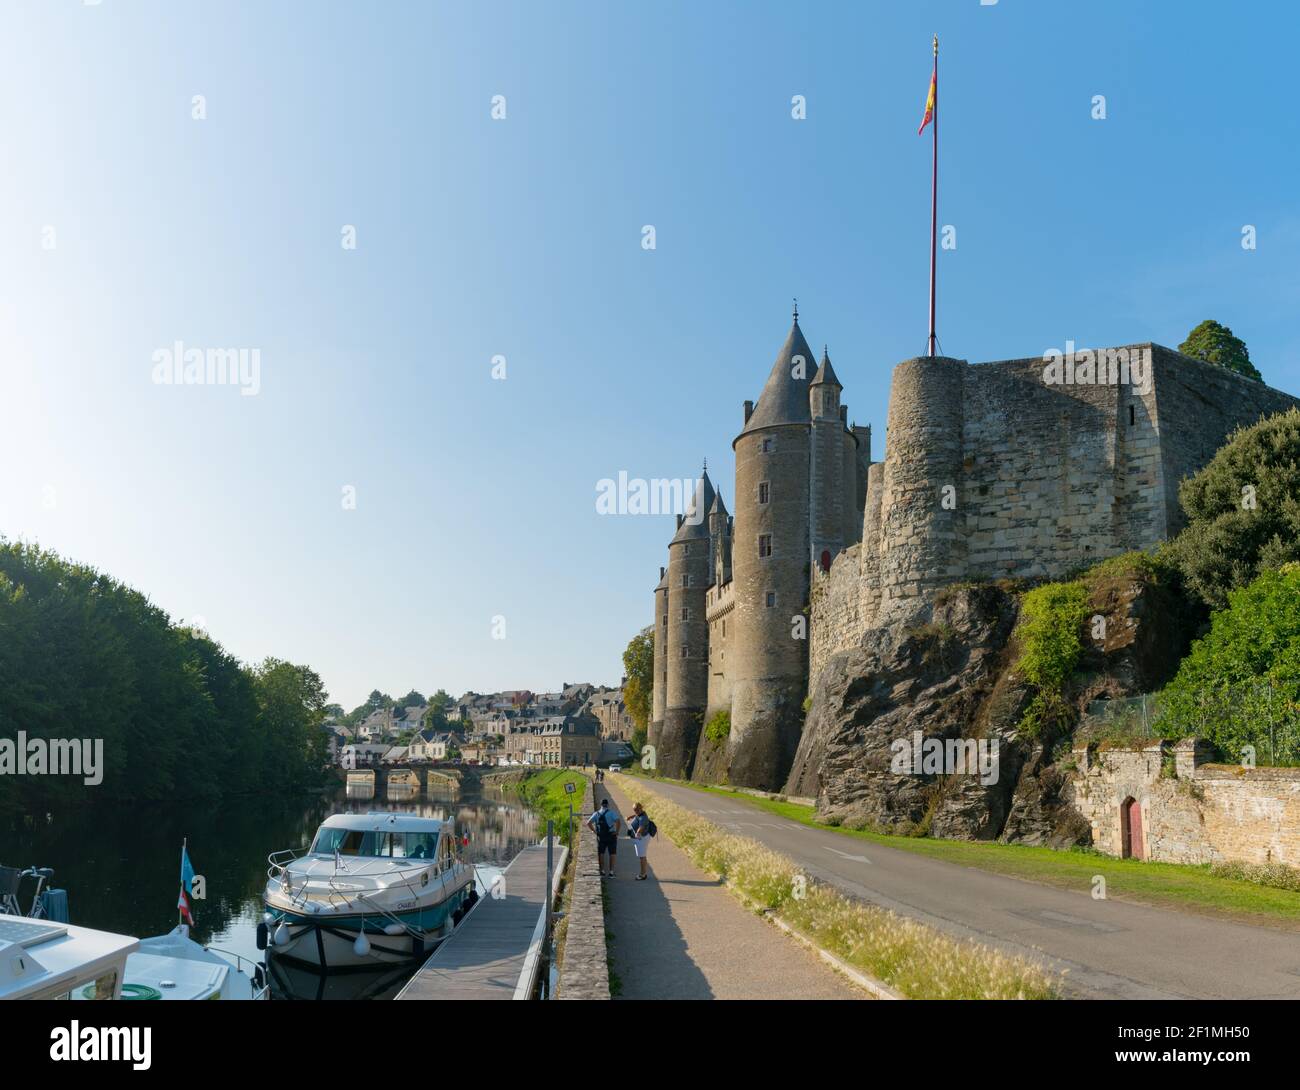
(784, 399)
(718, 508)
(705, 495)
(826, 373)
(663, 581)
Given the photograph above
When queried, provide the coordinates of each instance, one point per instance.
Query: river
(121, 865)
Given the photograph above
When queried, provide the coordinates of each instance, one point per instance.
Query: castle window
(686, 579)
(686, 613)
(768, 445)
(764, 491)
(771, 599)
(764, 545)
(1132, 416)
(724, 628)
(685, 650)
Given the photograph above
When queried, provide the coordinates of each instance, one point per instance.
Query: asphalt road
(1111, 949)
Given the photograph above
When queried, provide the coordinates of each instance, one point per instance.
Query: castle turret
(687, 645)
(828, 490)
(720, 536)
(767, 659)
(660, 670)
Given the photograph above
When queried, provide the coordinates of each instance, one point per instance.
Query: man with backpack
(606, 824)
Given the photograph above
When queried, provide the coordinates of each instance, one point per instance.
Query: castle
(1005, 469)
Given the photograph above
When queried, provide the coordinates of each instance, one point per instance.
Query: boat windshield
(387, 845)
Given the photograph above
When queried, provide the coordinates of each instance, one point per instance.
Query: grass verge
(543, 792)
(909, 957)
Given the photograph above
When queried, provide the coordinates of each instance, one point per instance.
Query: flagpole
(934, 193)
(180, 916)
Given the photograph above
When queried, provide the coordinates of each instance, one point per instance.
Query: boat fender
(282, 934)
(362, 946)
(262, 935)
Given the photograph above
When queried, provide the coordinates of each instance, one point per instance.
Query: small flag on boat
(183, 904)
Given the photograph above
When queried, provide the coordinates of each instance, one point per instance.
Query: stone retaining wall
(585, 971)
(1193, 811)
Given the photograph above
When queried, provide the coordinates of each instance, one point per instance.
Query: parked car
(616, 768)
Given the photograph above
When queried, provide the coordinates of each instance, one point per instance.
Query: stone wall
(835, 622)
(1046, 478)
(584, 973)
(1193, 811)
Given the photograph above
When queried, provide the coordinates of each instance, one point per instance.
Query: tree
(1240, 685)
(1243, 510)
(638, 667)
(435, 716)
(1215, 343)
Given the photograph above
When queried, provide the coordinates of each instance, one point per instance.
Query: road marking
(855, 858)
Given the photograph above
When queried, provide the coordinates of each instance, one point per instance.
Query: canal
(121, 865)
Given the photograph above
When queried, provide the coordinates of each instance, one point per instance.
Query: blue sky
(521, 237)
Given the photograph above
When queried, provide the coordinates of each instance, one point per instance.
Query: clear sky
(522, 238)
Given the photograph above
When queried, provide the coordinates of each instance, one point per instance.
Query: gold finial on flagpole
(936, 45)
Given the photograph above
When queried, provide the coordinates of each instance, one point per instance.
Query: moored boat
(371, 889)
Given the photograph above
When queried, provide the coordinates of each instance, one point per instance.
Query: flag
(183, 905)
(929, 104)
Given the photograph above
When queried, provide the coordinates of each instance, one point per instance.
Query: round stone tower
(767, 658)
(922, 521)
(686, 648)
(660, 676)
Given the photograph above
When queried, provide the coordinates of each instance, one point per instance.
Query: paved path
(1112, 949)
(681, 935)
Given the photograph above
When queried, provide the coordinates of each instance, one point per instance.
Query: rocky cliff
(951, 671)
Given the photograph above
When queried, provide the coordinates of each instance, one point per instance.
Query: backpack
(609, 820)
(651, 827)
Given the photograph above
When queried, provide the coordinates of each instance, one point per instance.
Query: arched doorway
(1130, 825)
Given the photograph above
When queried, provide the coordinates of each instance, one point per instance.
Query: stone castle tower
(735, 637)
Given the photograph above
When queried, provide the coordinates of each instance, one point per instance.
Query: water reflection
(121, 865)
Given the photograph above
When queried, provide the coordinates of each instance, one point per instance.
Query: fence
(1263, 714)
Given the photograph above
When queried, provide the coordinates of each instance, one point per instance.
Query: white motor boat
(43, 958)
(371, 889)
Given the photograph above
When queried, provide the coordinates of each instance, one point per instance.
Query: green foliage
(82, 656)
(638, 667)
(1243, 510)
(435, 716)
(1051, 617)
(1215, 343)
(1240, 685)
(718, 728)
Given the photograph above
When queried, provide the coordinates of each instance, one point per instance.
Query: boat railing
(278, 861)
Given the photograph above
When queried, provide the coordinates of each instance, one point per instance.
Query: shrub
(1051, 617)
(1240, 685)
(1243, 510)
(718, 729)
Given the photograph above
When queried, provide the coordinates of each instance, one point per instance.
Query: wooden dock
(497, 949)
